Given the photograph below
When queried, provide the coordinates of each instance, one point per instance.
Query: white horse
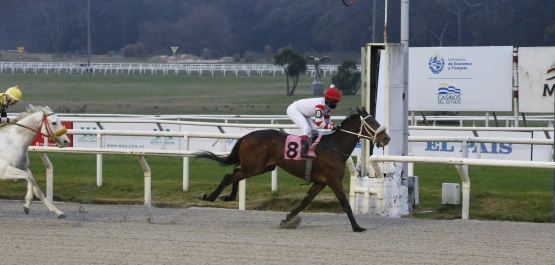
(15, 139)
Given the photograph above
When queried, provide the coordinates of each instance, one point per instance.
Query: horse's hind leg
(233, 178)
(235, 185)
(233, 195)
(214, 195)
(310, 195)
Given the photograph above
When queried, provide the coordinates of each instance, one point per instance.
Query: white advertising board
(171, 143)
(506, 151)
(536, 79)
(127, 142)
(460, 78)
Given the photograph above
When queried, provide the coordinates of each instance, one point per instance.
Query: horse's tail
(231, 159)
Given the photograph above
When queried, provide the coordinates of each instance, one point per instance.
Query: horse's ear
(30, 108)
(364, 110)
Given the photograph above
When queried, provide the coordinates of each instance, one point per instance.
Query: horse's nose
(386, 140)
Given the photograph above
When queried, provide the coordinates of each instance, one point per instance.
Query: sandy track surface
(100, 234)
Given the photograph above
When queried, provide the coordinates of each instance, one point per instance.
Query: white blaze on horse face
(58, 131)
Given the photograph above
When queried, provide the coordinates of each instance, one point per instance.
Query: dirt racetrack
(100, 234)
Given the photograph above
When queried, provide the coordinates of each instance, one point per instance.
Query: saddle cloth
(292, 150)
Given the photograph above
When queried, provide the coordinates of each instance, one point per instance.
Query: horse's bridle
(50, 134)
(364, 126)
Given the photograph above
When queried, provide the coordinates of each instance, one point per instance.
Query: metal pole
(374, 22)
(385, 24)
(88, 33)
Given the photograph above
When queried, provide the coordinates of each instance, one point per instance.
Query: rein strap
(364, 126)
(50, 134)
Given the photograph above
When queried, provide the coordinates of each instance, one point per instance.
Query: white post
(147, 176)
(185, 164)
(49, 176)
(274, 180)
(99, 161)
(353, 183)
(466, 190)
(242, 194)
(515, 85)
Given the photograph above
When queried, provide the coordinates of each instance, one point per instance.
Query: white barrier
(459, 163)
(140, 154)
(150, 68)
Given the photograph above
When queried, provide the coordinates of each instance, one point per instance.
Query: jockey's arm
(323, 121)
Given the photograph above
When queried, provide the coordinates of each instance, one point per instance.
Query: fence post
(99, 161)
(185, 164)
(148, 180)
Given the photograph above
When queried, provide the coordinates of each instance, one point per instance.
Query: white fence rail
(459, 164)
(153, 68)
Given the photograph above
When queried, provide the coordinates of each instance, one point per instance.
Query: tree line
(213, 29)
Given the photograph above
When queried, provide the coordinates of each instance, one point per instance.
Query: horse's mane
(349, 117)
(32, 109)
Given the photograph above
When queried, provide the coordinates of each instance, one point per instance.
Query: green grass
(515, 194)
(496, 193)
(164, 94)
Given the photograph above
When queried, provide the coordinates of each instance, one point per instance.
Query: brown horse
(261, 151)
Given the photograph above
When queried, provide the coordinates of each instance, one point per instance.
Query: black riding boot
(4, 117)
(304, 149)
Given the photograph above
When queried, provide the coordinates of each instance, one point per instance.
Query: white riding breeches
(306, 124)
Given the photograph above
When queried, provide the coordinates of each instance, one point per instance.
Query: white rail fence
(153, 68)
(461, 163)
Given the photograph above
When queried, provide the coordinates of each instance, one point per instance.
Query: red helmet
(333, 93)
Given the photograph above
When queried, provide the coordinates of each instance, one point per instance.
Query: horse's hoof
(359, 229)
(61, 215)
(202, 196)
(290, 224)
(226, 198)
(26, 210)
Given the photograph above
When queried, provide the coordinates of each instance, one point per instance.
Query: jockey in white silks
(9, 98)
(302, 110)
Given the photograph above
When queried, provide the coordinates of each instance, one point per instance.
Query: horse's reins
(52, 135)
(364, 126)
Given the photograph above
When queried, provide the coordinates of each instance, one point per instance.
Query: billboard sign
(460, 78)
(536, 79)
(505, 151)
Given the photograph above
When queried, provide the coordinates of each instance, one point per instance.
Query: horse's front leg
(337, 188)
(28, 197)
(310, 195)
(35, 188)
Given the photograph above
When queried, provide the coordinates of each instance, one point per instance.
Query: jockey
(9, 98)
(301, 110)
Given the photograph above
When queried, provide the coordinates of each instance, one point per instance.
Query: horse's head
(52, 127)
(370, 128)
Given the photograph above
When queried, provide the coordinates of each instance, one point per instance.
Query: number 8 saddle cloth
(292, 150)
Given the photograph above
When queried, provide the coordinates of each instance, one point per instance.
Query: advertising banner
(460, 78)
(39, 139)
(128, 142)
(536, 79)
(507, 151)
